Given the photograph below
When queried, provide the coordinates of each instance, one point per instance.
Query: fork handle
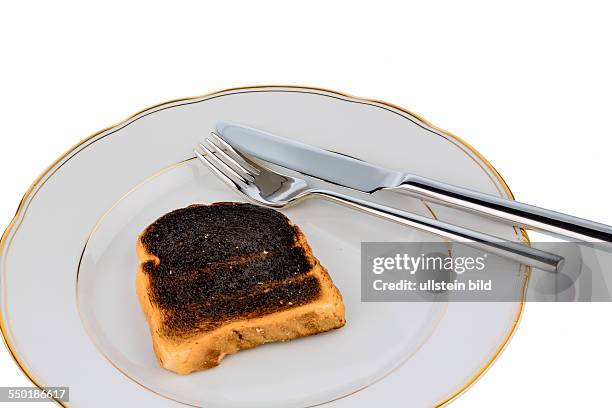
(511, 250)
(518, 213)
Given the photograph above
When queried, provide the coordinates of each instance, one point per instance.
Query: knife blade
(312, 161)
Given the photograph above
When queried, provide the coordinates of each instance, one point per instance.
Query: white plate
(69, 310)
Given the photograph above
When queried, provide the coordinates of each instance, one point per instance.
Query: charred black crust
(209, 315)
(223, 262)
(198, 235)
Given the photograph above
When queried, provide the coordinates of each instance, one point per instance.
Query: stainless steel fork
(263, 186)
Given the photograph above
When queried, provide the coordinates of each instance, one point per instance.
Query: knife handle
(517, 213)
(515, 251)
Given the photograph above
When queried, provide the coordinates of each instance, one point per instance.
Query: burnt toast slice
(216, 279)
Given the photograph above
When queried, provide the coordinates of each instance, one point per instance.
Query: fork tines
(225, 162)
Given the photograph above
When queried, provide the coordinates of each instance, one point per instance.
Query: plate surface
(70, 314)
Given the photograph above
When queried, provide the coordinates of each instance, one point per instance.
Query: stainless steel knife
(366, 177)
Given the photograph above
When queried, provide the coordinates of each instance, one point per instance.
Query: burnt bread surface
(215, 279)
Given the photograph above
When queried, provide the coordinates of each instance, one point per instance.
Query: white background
(528, 84)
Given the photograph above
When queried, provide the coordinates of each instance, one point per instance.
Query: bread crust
(205, 349)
